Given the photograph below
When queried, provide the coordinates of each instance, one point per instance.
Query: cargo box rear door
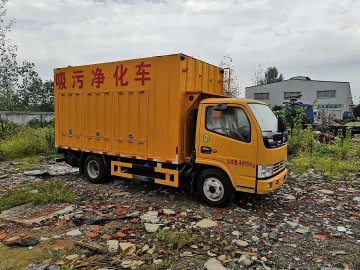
(71, 123)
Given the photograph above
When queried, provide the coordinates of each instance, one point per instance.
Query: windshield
(265, 117)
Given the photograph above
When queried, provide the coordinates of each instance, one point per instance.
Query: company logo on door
(241, 163)
(206, 138)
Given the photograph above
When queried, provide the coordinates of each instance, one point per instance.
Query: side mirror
(220, 107)
(281, 123)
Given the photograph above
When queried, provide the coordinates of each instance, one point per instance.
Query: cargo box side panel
(131, 123)
(98, 121)
(130, 108)
(164, 110)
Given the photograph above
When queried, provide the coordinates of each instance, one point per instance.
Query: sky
(318, 39)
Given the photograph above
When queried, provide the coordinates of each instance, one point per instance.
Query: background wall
(24, 117)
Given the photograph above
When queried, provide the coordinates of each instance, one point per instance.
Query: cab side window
(231, 122)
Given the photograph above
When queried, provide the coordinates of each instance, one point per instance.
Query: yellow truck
(166, 120)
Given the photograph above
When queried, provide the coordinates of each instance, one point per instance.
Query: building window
(288, 95)
(261, 96)
(326, 94)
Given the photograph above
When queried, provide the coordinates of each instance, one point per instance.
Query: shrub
(36, 123)
(330, 160)
(7, 129)
(301, 140)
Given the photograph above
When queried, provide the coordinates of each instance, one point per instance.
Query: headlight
(265, 171)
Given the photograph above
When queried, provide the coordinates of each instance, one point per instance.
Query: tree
(258, 75)
(20, 85)
(356, 110)
(271, 75)
(8, 63)
(228, 66)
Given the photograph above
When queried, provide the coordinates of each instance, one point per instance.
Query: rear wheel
(94, 169)
(215, 188)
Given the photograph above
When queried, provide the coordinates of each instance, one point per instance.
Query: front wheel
(215, 188)
(94, 169)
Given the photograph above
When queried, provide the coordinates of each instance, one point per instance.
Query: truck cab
(244, 145)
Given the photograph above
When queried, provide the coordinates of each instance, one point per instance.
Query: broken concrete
(14, 214)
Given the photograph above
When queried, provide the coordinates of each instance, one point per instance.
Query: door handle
(205, 150)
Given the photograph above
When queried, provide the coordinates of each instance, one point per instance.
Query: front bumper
(269, 185)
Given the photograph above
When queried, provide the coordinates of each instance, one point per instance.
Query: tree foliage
(227, 64)
(271, 75)
(356, 111)
(20, 85)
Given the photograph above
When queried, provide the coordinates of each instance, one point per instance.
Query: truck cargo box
(138, 108)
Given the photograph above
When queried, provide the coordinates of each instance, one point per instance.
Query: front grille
(278, 165)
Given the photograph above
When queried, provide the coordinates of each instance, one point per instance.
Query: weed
(176, 239)
(331, 160)
(28, 142)
(301, 163)
(357, 151)
(345, 145)
(48, 192)
(26, 166)
(66, 267)
(166, 264)
(98, 191)
(324, 165)
(7, 129)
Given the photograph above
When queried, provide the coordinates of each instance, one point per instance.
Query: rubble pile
(307, 224)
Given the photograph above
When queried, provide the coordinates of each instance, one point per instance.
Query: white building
(328, 97)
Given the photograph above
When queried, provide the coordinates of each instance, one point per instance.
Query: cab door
(226, 138)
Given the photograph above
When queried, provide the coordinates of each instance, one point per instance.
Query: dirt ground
(309, 223)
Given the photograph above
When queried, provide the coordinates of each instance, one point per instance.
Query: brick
(91, 235)
(95, 228)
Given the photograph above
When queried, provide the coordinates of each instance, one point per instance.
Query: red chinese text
(60, 80)
(78, 76)
(241, 163)
(142, 73)
(98, 78)
(119, 74)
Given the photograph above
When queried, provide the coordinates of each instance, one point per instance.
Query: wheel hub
(213, 189)
(93, 169)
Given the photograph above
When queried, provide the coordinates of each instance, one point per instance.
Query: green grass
(176, 239)
(48, 192)
(325, 165)
(28, 143)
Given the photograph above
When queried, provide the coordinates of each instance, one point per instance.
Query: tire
(215, 188)
(94, 169)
